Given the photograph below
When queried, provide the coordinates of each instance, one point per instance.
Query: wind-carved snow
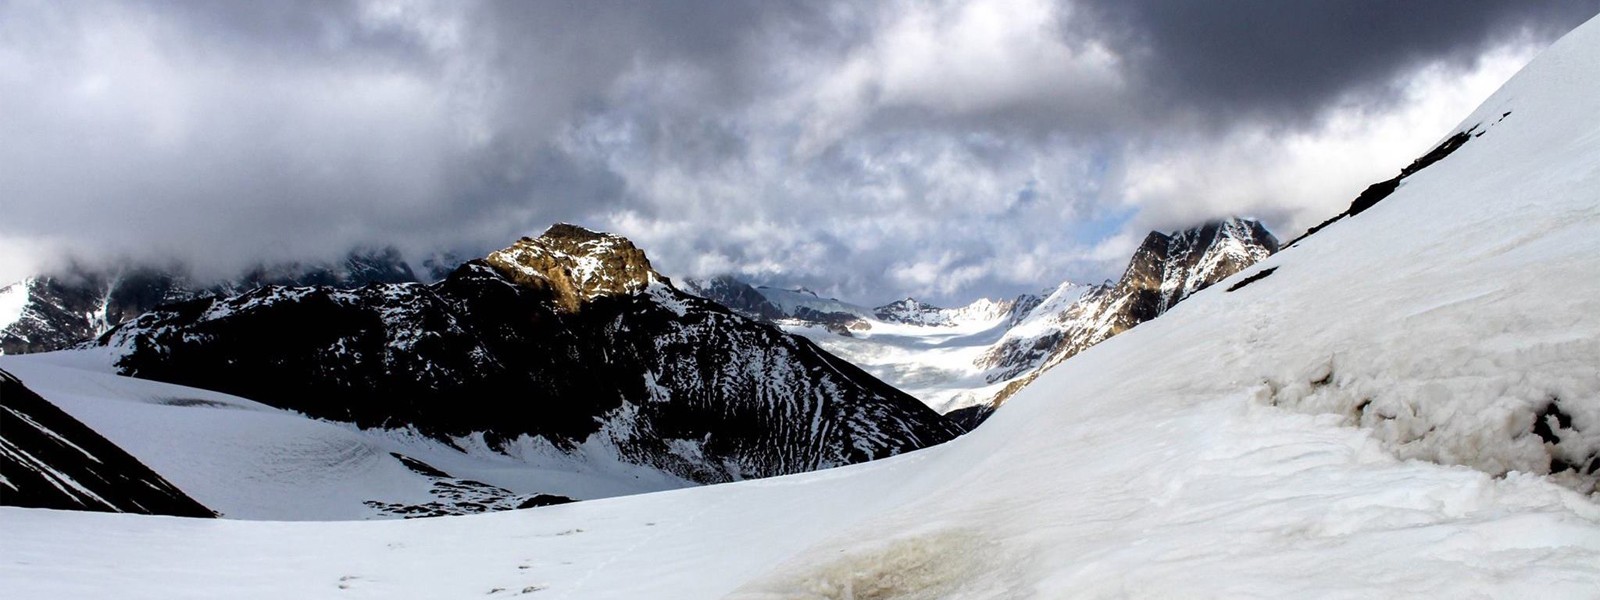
(1494, 368)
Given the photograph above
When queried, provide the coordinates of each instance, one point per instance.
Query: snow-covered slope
(247, 460)
(1152, 465)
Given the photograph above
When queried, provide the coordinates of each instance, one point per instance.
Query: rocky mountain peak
(1169, 267)
(729, 291)
(908, 305)
(576, 265)
(911, 311)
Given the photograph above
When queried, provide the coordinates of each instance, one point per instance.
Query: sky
(871, 151)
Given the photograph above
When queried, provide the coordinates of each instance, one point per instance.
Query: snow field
(251, 461)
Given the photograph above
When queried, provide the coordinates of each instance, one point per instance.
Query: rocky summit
(576, 265)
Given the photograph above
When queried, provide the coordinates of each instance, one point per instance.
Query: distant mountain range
(57, 310)
(966, 361)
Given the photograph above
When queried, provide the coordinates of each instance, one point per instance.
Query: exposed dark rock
(456, 496)
(359, 268)
(50, 460)
(1552, 414)
(909, 311)
(971, 417)
(575, 265)
(1252, 279)
(841, 323)
(538, 500)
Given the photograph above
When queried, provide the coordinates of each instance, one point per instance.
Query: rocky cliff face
(1166, 269)
(570, 336)
(57, 311)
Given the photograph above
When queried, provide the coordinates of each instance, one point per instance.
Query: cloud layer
(938, 149)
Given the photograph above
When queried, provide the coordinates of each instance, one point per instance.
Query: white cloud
(941, 149)
(1300, 177)
(953, 59)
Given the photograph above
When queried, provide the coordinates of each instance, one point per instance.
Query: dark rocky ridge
(50, 460)
(569, 336)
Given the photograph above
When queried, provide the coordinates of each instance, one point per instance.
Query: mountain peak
(733, 293)
(1169, 267)
(578, 233)
(576, 264)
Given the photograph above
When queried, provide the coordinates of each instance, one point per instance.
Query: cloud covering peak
(939, 149)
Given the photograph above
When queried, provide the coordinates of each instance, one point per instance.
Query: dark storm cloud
(233, 132)
(940, 148)
(1288, 60)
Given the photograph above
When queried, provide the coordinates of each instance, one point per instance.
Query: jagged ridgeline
(571, 337)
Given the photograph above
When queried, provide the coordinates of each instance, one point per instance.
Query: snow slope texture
(251, 461)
